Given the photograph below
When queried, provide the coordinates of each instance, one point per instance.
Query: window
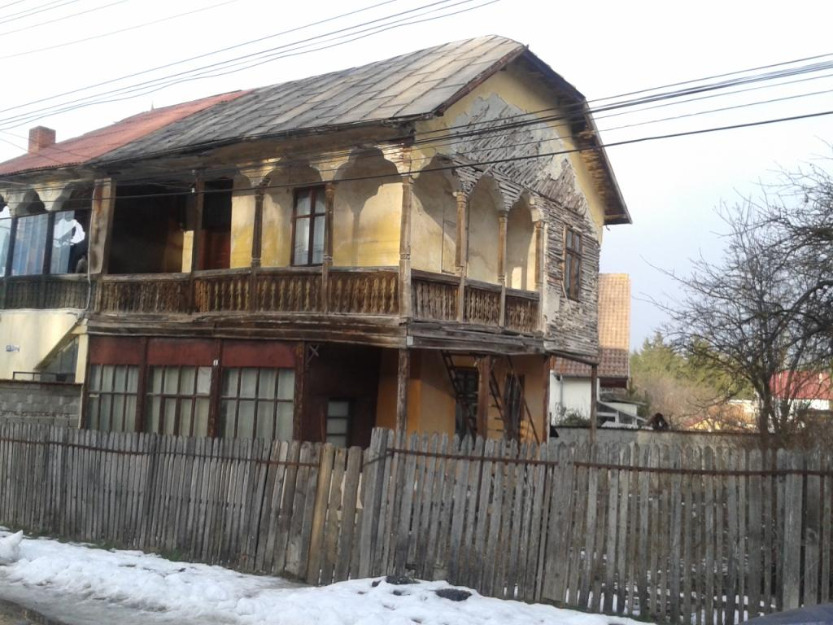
(257, 403)
(111, 398)
(572, 263)
(338, 422)
(69, 241)
(308, 221)
(466, 407)
(513, 398)
(178, 400)
(5, 236)
(30, 245)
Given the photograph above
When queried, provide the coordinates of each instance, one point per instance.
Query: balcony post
(540, 233)
(503, 220)
(461, 251)
(329, 203)
(405, 248)
(257, 240)
(101, 233)
(196, 247)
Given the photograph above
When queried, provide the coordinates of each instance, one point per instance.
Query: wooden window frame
(573, 256)
(257, 400)
(98, 394)
(313, 191)
(349, 419)
(178, 396)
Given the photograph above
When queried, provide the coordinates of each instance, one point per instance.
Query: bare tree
(767, 306)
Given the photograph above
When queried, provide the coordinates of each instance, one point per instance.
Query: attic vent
(40, 137)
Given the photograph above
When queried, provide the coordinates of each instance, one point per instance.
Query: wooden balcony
(356, 291)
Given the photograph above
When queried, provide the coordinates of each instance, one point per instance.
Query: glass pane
(156, 375)
(201, 417)
(132, 379)
(171, 380)
(68, 243)
(227, 409)
(104, 415)
(187, 378)
(339, 440)
(92, 412)
(268, 379)
(302, 202)
(336, 426)
(320, 197)
(170, 417)
(185, 407)
(95, 378)
(107, 378)
(154, 409)
(118, 413)
(318, 241)
(230, 382)
(130, 413)
(283, 430)
(203, 380)
(120, 379)
(265, 419)
(286, 384)
(246, 419)
(301, 247)
(5, 237)
(248, 382)
(338, 409)
(30, 245)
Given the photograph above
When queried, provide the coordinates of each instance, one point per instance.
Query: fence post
(791, 547)
(374, 474)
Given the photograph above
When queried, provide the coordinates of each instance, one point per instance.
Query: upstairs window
(572, 263)
(308, 219)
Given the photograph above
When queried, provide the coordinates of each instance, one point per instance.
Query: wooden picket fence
(695, 535)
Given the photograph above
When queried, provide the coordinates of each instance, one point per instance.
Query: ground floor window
(338, 422)
(111, 397)
(466, 404)
(257, 403)
(178, 400)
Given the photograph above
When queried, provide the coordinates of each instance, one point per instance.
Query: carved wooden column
(405, 248)
(196, 247)
(462, 251)
(329, 200)
(403, 375)
(257, 241)
(503, 220)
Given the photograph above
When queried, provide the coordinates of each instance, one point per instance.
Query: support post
(403, 375)
(405, 248)
(196, 247)
(540, 235)
(329, 202)
(257, 241)
(300, 390)
(501, 264)
(462, 252)
(594, 381)
(484, 371)
(101, 226)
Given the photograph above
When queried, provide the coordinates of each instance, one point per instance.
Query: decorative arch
(485, 206)
(367, 210)
(434, 218)
(520, 246)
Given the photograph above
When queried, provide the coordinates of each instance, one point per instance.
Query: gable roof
(406, 88)
(614, 331)
(97, 143)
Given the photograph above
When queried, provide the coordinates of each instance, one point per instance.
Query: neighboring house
(571, 388)
(809, 392)
(400, 244)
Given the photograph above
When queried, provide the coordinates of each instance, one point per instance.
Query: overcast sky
(604, 48)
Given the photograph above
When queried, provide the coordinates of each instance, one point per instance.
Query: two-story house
(402, 244)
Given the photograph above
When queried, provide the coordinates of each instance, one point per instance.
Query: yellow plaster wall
(242, 222)
(386, 399)
(517, 88)
(277, 228)
(484, 234)
(32, 335)
(366, 220)
(437, 403)
(433, 224)
(520, 249)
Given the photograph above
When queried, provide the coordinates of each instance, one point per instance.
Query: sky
(52, 48)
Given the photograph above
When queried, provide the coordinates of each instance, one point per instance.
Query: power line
(49, 6)
(62, 18)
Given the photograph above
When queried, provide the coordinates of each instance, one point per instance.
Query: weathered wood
(403, 376)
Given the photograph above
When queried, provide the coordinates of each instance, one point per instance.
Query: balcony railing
(283, 290)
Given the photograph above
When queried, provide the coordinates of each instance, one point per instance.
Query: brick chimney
(40, 137)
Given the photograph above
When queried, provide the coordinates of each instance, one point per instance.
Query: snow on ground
(83, 585)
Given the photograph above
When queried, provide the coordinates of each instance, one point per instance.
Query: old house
(400, 244)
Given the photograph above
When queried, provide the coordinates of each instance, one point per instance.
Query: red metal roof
(802, 385)
(81, 149)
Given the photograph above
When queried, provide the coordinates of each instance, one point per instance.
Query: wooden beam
(484, 371)
(403, 375)
(461, 251)
(594, 380)
(405, 248)
(101, 226)
(299, 407)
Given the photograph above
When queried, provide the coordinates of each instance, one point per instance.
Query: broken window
(178, 400)
(257, 403)
(572, 263)
(308, 219)
(111, 398)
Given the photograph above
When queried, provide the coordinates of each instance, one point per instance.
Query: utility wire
(63, 17)
(49, 6)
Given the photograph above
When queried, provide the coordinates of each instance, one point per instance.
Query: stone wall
(45, 403)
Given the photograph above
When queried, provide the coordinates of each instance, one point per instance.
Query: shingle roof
(614, 331)
(404, 87)
(98, 142)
